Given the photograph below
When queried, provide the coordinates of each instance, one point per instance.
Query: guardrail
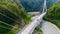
(30, 28)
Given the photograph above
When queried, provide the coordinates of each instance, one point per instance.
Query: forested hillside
(36, 5)
(12, 13)
(53, 14)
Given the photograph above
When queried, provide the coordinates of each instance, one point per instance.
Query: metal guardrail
(30, 28)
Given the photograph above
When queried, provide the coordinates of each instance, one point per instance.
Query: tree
(53, 14)
(11, 13)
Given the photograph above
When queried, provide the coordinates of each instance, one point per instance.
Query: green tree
(10, 14)
(53, 14)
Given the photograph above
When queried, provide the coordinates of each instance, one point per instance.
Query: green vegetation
(53, 14)
(12, 14)
(11, 32)
(38, 30)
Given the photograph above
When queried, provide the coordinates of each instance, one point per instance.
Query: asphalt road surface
(49, 28)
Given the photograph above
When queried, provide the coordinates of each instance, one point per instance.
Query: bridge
(47, 27)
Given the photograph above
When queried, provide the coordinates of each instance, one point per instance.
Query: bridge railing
(30, 28)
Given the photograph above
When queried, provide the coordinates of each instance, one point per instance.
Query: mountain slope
(12, 13)
(36, 5)
(53, 14)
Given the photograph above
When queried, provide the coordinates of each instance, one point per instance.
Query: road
(49, 28)
(35, 22)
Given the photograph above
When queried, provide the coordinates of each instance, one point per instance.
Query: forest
(53, 14)
(14, 13)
